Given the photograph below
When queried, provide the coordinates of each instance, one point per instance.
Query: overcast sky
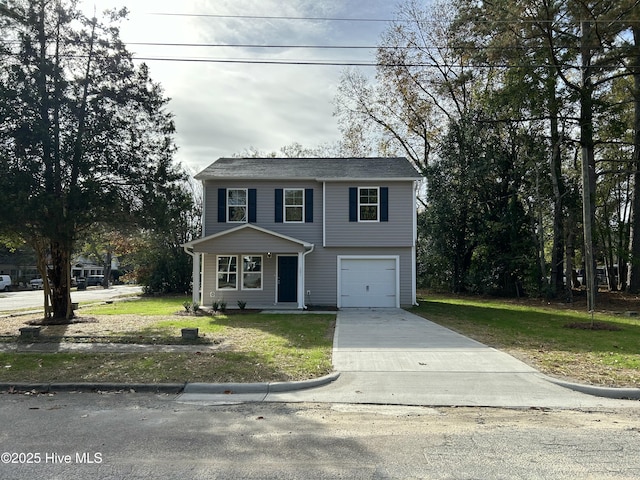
(224, 108)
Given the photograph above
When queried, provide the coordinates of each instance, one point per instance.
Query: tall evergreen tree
(84, 134)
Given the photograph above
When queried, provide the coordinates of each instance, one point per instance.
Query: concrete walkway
(390, 356)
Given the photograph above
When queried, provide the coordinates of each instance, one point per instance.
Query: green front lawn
(254, 347)
(140, 306)
(557, 341)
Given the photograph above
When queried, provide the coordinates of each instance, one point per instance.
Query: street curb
(606, 392)
(264, 387)
(227, 388)
(175, 388)
(91, 387)
(303, 384)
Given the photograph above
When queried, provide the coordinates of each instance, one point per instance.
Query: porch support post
(301, 269)
(196, 278)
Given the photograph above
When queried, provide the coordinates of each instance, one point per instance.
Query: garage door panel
(368, 282)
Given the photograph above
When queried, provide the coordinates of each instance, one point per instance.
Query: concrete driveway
(391, 356)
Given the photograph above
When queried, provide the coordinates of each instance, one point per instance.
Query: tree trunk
(107, 269)
(570, 277)
(557, 249)
(61, 281)
(541, 234)
(38, 245)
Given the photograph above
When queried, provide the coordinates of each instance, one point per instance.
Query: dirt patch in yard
(616, 303)
(80, 326)
(250, 350)
(594, 326)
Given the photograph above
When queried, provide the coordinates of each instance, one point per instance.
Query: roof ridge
(398, 168)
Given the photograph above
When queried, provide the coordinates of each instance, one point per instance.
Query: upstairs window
(368, 204)
(294, 205)
(237, 205)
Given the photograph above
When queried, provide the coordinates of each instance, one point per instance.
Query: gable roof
(391, 168)
(256, 234)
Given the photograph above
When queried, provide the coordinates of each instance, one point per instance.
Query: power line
(247, 45)
(346, 63)
(272, 17)
(342, 47)
(332, 47)
(263, 62)
(350, 63)
(521, 20)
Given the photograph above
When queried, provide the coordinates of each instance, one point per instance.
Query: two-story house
(295, 232)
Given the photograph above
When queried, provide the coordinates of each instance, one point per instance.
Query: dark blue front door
(287, 279)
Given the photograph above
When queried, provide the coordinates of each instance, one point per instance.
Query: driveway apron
(391, 356)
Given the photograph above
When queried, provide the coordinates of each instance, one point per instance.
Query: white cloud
(222, 108)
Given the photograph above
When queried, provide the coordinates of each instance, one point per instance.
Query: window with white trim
(252, 272)
(227, 277)
(368, 204)
(294, 205)
(237, 205)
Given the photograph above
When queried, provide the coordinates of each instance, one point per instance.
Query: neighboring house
(84, 268)
(296, 232)
(23, 271)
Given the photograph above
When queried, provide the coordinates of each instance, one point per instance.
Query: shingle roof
(310, 168)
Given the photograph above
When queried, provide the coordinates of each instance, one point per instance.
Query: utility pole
(633, 276)
(588, 160)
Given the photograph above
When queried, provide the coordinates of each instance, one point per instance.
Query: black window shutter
(252, 205)
(279, 202)
(353, 204)
(222, 205)
(384, 204)
(308, 205)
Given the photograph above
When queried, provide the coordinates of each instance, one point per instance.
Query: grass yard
(253, 347)
(140, 306)
(557, 341)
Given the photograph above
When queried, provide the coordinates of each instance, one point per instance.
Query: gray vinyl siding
(322, 271)
(254, 298)
(397, 232)
(321, 277)
(394, 237)
(320, 282)
(250, 241)
(265, 216)
(265, 211)
(339, 231)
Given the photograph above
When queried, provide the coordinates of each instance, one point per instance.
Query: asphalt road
(138, 436)
(11, 301)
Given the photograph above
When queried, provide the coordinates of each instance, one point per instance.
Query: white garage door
(368, 282)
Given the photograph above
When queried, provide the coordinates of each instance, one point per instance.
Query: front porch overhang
(248, 238)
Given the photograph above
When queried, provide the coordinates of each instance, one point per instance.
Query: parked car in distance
(94, 280)
(37, 283)
(5, 283)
